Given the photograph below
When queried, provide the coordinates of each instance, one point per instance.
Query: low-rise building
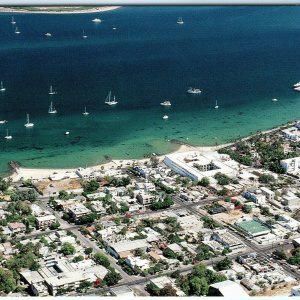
(77, 210)
(45, 221)
(291, 165)
(17, 227)
(227, 288)
(133, 261)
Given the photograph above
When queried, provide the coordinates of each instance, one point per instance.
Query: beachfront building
(196, 165)
(292, 134)
(291, 165)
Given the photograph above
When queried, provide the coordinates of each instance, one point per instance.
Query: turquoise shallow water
(242, 56)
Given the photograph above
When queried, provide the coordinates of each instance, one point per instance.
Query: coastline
(79, 11)
(40, 174)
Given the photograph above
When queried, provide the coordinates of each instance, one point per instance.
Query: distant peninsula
(56, 9)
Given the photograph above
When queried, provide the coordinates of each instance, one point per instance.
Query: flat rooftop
(253, 227)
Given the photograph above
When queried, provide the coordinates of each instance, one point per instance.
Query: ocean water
(241, 56)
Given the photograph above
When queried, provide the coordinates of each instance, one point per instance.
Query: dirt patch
(56, 186)
(281, 290)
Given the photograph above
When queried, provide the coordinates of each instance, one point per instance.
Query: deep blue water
(241, 56)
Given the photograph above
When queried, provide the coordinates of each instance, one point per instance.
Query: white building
(133, 261)
(196, 165)
(295, 291)
(292, 134)
(291, 165)
(45, 221)
(227, 288)
(268, 193)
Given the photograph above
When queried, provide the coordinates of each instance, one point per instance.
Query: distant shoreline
(60, 10)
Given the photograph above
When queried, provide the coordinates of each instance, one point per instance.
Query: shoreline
(79, 11)
(43, 173)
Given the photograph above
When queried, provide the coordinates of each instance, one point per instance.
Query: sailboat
(13, 21)
(48, 34)
(84, 36)
(8, 137)
(2, 88)
(51, 109)
(28, 124)
(216, 106)
(180, 21)
(17, 31)
(108, 100)
(85, 113)
(51, 91)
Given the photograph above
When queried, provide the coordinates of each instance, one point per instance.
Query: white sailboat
(13, 21)
(17, 31)
(48, 34)
(96, 20)
(108, 100)
(8, 137)
(216, 106)
(51, 91)
(85, 113)
(28, 124)
(2, 88)
(84, 36)
(51, 109)
(180, 21)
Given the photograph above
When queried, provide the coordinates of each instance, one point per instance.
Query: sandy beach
(39, 174)
(51, 10)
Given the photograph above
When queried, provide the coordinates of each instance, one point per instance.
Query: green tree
(152, 289)
(67, 249)
(90, 186)
(63, 195)
(77, 259)
(4, 184)
(247, 209)
(198, 286)
(84, 285)
(101, 259)
(88, 251)
(7, 281)
(222, 179)
(224, 264)
(265, 211)
(112, 278)
(169, 253)
(55, 225)
(167, 290)
(266, 178)
(204, 182)
(88, 219)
